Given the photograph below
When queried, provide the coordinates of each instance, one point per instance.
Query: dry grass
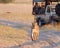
(10, 36)
(52, 27)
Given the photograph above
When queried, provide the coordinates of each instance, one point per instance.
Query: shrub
(5, 1)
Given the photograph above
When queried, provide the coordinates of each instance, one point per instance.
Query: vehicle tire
(38, 20)
(39, 24)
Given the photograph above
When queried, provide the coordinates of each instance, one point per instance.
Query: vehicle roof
(38, 0)
(44, 0)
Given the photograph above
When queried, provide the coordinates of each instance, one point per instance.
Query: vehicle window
(48, 9)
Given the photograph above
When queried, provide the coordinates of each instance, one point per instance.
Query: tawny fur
(35, 31)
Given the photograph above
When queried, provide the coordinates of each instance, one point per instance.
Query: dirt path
(47, 38)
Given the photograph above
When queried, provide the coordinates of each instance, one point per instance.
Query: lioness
(35, 31)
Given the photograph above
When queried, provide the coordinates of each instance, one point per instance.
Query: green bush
(5, 1)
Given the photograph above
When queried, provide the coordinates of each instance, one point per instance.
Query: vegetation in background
(5, 1)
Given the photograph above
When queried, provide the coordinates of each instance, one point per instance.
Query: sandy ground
(16, 12)
(18, 8)
(18, 16)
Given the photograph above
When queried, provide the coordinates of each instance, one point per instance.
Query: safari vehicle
(40, 20)
(51, 14)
